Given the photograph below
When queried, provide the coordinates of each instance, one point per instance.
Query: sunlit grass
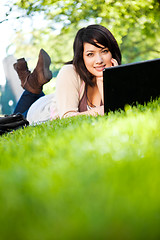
(83, 178)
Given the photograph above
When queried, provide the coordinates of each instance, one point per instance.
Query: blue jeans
(25, 101)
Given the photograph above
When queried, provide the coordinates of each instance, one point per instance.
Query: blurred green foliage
(135, 24)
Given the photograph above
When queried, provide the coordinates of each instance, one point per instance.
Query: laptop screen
(131, 84)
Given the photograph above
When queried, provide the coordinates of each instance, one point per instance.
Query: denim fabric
(25, 101)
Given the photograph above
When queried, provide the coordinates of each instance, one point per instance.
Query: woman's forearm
(92, 112)
(100, 88)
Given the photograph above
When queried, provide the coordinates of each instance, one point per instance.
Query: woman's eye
(105, 51)
(90, 54)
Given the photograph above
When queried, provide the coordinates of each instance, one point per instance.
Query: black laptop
(131, 84)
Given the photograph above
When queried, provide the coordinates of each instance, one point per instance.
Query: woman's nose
(99, 59)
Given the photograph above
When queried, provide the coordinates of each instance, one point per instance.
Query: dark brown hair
(93, 34)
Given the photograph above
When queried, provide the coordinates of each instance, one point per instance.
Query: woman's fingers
(114, 62)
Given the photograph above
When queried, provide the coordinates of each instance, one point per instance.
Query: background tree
(135, 24)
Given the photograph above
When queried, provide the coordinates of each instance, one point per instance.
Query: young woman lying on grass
(79, 84)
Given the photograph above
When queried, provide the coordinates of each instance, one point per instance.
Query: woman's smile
(100, 68)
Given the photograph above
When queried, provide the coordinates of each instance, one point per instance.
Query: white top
(64, 102)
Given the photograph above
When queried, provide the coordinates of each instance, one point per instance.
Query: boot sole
(46, 64)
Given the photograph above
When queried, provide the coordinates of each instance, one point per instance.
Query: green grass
(83, 178)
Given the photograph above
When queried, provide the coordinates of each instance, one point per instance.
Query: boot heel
(46, 64)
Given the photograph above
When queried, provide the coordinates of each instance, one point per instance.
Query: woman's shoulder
(68, 72)
(68, 68)
(68, 78)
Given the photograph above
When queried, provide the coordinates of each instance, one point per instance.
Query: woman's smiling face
(96, 58)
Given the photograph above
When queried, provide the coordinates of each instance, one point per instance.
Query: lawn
(83, 178)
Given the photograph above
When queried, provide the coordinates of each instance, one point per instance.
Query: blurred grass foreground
(83, 178)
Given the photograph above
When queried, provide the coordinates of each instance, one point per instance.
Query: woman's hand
(99, 80)
(114, 62)
(99, 110)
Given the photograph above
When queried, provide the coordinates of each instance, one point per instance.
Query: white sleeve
(67, 90)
